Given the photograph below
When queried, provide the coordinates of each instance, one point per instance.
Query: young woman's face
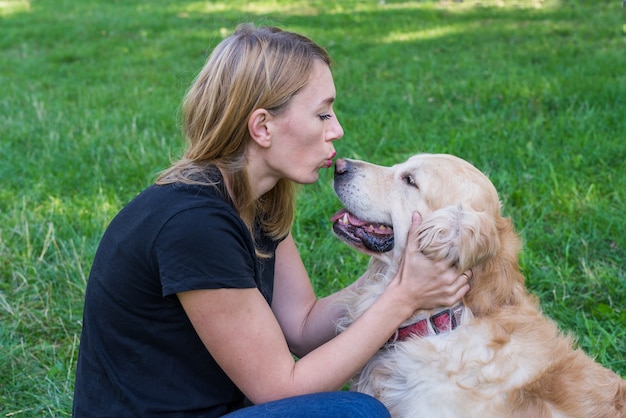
(302, 135)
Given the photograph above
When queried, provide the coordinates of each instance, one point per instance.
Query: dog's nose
(341, 167)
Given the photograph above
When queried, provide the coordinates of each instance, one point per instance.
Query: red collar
(442, 321)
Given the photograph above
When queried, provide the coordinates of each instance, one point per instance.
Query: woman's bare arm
(249, 340)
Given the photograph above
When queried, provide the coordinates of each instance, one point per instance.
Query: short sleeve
(204, 248)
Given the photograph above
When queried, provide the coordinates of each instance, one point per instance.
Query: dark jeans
(317, 405)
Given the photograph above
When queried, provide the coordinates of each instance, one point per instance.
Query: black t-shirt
(139, 354)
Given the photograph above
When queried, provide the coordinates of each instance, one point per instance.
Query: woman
(197, 296)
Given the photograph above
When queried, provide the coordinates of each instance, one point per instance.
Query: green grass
(533, 93)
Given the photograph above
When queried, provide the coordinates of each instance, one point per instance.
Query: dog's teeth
(345, 219)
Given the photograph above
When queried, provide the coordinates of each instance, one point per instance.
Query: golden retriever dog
(493, 355)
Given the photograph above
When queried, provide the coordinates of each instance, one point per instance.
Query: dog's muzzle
(359, 233)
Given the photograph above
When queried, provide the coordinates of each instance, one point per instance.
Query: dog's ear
(460, 237)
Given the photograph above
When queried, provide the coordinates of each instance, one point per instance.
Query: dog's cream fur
(505, 359)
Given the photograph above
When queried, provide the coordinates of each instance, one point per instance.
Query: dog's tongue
(375, 237)
(348, 218)
(353, 220)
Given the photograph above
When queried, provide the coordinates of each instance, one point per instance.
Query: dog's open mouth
(359, 233)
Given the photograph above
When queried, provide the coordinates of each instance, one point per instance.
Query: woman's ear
(258, 126)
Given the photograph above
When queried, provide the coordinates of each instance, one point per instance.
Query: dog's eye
(410, 181)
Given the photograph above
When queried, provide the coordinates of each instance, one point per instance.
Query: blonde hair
(253, 68)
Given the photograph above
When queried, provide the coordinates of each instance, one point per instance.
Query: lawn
(532, 92)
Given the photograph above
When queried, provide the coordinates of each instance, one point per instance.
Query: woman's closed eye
(325, 116)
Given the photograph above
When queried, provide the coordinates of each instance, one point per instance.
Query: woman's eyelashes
(325, 116)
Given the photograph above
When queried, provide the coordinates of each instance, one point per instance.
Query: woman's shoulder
(185, 195)
(159, 203)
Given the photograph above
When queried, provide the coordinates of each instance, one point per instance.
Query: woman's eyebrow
(328, 101)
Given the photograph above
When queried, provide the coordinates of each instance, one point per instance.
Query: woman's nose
(335, 132)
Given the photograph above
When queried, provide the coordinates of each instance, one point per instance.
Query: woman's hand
(429, 284)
